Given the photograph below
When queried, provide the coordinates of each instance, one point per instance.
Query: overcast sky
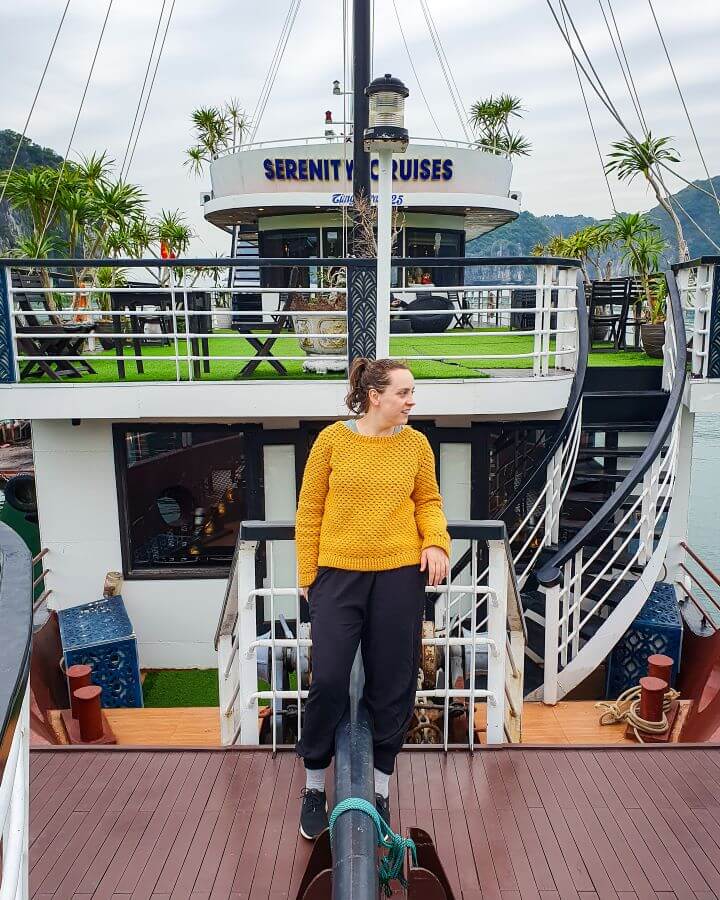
(216, 49)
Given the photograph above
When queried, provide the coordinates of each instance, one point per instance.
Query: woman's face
(396, 402)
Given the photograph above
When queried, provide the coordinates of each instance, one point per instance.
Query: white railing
(51, 343)
(491, 306)
(537, 530)
(695, 284)
(337, 138)
(15, 812)
(244, 656)
(590, 581)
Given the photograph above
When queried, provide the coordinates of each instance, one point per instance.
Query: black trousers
(382, 611)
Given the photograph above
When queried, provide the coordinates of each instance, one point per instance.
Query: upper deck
(179, 348)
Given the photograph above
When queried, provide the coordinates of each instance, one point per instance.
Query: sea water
(704, 525)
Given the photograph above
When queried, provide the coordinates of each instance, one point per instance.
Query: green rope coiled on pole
(391, 865)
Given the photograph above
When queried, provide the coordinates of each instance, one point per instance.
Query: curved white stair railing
(606, 572)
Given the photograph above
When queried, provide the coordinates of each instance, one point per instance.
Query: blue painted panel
(657, 629)
(7, 351)
(100, 634)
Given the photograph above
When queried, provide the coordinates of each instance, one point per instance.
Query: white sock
(382, 783)
(315, 779)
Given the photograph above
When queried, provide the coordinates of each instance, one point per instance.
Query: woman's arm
(311, 507)
(429, 515)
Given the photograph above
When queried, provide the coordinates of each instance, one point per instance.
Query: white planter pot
(322, 346)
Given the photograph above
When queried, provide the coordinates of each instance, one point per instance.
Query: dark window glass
(185, 495)
(426, 244)
(288, 244)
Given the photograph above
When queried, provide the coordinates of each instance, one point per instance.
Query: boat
(167, 466)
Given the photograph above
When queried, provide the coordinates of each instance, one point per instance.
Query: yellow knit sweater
(367, 503)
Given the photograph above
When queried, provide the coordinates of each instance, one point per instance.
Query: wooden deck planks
(509, 824)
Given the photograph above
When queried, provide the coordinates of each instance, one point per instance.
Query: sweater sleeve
(429, 515)
(311, 507)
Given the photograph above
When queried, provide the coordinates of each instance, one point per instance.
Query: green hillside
(14, 223)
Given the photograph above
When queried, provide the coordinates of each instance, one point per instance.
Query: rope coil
(626, 709)
(391, 865)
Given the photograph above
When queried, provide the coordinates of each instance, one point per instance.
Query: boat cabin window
(428, 243)
(182, 493)
(288, 244)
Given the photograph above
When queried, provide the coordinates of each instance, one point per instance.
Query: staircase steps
(648, 425)
(610, 452)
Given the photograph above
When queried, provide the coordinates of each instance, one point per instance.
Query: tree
(217, 129)
(490, 118)
(631, 158)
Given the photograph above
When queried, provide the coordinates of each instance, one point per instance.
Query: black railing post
(714, 327)
(7, 351)
(355, 871)
(362, 310)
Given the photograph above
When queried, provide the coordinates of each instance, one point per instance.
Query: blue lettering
(315, 166)
(326, 170)
(405, 169)
(374, 169)
(436, 169)
(290, 168)
(348, 169)
(303, 169)
(394, 169)
(416, 163)
(335, 163)
(447, 169)
(280, 168)
(424, 169)
(268, 166)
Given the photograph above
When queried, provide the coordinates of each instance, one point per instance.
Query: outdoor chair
(608, 313)
(263, 344)
(59, 337)
(134, 304)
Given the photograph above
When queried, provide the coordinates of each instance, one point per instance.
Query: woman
(370, 535)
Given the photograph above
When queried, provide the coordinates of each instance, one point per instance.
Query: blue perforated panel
(100, 634)
(657, 629)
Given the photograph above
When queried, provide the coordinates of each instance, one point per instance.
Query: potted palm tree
(641, 248)
(652, 331)
(490, 118)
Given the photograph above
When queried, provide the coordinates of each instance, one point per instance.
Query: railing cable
(75, 124)
(142, 89)
(412, 66)
(32, 105)
(150, 89)
(682, 100)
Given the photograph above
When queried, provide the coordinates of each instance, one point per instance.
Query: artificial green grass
(181, 687)
(190, 687)
(159, 367)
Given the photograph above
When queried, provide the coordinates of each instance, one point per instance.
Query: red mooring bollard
(89, 712)
(78, 677)
(652, 694)
(660, 666)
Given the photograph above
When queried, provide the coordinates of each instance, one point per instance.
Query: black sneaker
(382, 805)
(313, 815)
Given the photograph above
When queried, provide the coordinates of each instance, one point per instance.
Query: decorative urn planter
(322, 325)
(653, 339)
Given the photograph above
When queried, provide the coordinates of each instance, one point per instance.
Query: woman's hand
(437, 563)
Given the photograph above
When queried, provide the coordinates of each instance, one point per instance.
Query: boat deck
(544, 823)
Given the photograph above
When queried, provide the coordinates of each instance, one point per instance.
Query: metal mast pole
(361, 79)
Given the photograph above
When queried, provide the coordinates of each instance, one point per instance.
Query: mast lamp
(386, 115)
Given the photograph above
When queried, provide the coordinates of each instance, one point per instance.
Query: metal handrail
(15, 641)
(550, 573)
(283, 262)
(564, 426)
(703, 565)
(704, 617)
